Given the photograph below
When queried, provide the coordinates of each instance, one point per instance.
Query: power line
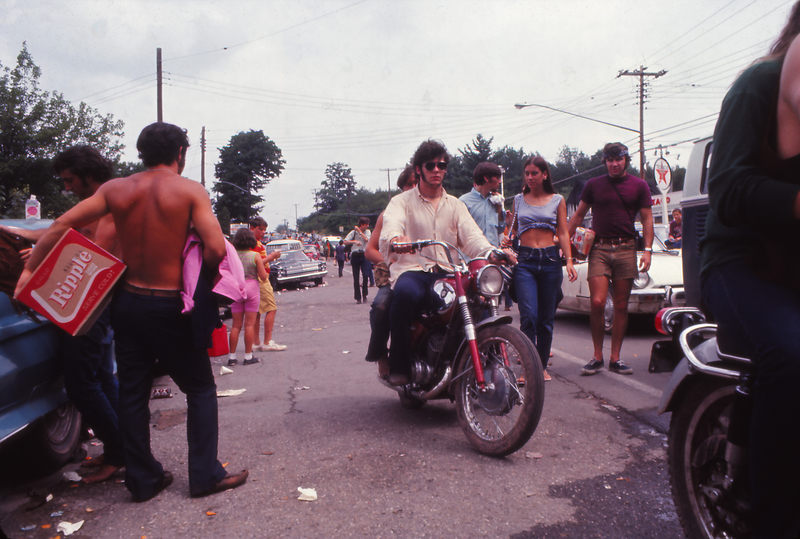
(269, 35)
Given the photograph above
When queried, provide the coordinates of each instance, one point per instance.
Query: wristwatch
(648, 249)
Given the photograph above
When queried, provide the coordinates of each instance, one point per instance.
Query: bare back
(153, 211)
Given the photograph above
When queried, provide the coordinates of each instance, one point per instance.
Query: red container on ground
(220, 339)
(73, 284)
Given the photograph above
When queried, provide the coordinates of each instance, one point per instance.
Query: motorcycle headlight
(490, 280)
(642, 280)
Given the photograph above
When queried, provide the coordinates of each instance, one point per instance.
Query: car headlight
(490, 280)
(642, 280)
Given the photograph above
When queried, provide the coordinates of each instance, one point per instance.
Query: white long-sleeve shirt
(410, 214)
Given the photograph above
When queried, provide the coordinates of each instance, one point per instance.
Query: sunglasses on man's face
(441, 165)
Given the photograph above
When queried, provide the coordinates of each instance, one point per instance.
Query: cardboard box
(73, 284)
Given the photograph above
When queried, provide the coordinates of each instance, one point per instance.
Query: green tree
(573, 165)
(34, 126)
(127, 168)
(246, 164)
(337, 188)
(459, 172)
(363, 203)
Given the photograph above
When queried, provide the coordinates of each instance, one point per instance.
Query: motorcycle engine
(422, 371)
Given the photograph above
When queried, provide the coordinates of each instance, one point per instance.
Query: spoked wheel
(501, 419)
(696, 456)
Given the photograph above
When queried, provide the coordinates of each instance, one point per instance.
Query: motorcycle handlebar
(501, 256)
(418, 245)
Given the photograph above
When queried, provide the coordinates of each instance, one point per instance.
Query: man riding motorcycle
(749, 266)
(425, 212)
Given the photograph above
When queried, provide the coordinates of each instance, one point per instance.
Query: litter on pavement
(307, 494)
(68, 528)
(230, 392)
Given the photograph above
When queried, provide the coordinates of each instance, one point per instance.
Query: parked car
(661, 286)
(294, 267)
(36, 418)
(311, 251)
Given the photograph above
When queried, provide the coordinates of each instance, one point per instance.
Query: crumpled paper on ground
(72, 476)
(225, 370)
(230, 392)
(307, 494)
(68, 528)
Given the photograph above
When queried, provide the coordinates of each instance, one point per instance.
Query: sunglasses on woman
(441, 165)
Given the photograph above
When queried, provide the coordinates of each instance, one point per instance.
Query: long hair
(787, 35)
(539, 162)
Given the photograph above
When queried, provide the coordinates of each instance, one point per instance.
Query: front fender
(494, 320)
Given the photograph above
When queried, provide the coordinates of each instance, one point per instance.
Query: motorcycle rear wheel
(503, 419)
(697, 466)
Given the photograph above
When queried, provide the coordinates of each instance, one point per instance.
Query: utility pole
(641, 74)
(159, 105)
(388, 179)
(203, 156)
(295, 216)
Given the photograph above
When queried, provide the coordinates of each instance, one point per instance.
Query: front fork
(469, 330)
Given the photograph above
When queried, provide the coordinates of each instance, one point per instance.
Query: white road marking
(622, 379)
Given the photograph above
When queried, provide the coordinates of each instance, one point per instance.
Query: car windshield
(294, 256)
(661, 234)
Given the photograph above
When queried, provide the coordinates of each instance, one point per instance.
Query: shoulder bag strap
(625, 207)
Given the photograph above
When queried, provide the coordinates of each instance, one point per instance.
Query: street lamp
(638, 132)
(249, 199)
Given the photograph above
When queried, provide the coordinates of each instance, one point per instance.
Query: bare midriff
(537, 238)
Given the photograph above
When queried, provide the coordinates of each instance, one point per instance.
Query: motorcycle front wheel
(501, 419)
(696, 456)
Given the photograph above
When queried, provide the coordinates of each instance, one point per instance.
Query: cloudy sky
(363, 82)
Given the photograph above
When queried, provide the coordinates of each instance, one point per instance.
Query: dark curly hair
(162, 144)
(428, 151)
(85, 162)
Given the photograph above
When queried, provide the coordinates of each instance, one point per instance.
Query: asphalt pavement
(315, 417)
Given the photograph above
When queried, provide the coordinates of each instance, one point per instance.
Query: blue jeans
(360, 264)
(149, 328)
(412, 295)
(91, 385)
(761, 320)
(379, 323)
(537, 279)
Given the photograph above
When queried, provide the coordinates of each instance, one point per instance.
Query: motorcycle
(710, 397)
(488, 367)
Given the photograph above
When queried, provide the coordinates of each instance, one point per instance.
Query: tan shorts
(267, 298)
(614, 261)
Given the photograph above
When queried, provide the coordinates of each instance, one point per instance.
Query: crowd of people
(477, 224)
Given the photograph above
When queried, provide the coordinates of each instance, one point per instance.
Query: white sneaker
(273, 347)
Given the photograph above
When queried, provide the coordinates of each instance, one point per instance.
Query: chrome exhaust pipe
(428, 395)
(423, 395)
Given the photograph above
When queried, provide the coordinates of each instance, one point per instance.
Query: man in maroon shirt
(615, 198)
